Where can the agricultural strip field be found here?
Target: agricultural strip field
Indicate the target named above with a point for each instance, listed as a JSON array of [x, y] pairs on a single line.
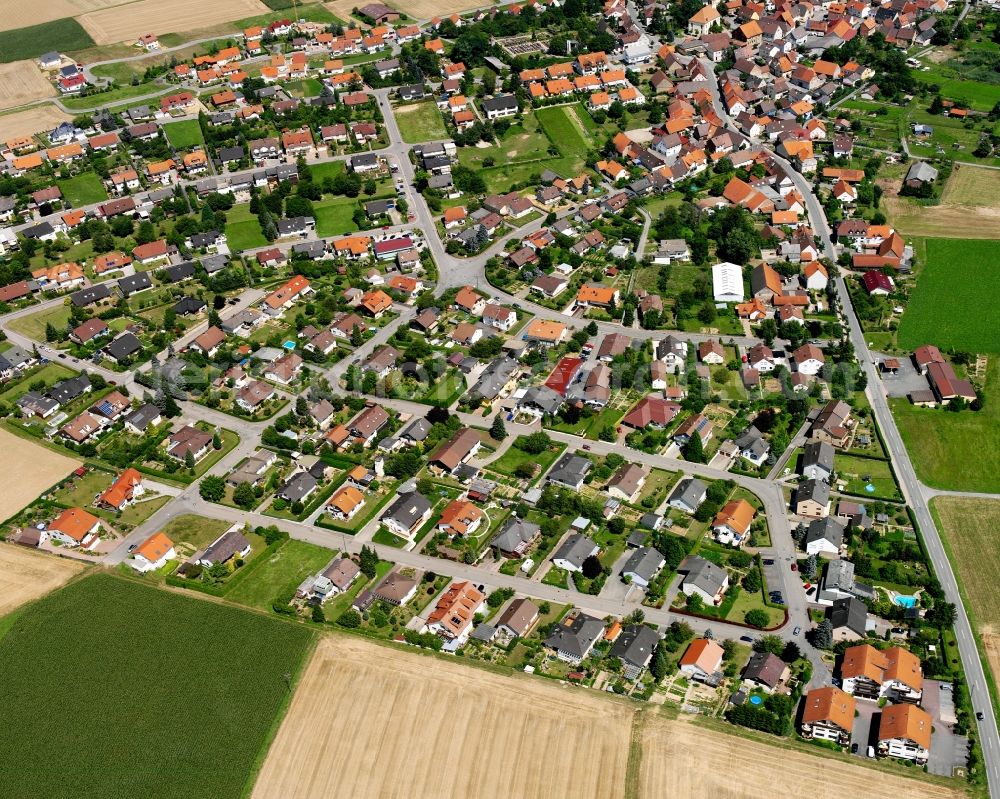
[[27, 575], [956, 451], [969, 208], [30, 42], [680, 758], [19, 14], [953, 304], [419, 122], [20, 83], [111, 25], [27, 470], [34, 120], [171, 696], [968, 528], [397, 712]]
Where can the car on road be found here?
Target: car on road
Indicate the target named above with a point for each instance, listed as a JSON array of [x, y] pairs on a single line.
[[871, 751], [132, 546], [979, 715], [854, 749], [768, 561], [796, 631], [587, 447], [795, 567], [746, 638]]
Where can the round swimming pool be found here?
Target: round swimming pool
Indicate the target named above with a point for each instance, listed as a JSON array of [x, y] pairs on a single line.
[[756, 700]]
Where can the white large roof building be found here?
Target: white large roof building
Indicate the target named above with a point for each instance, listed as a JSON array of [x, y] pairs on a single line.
[[727, 282]]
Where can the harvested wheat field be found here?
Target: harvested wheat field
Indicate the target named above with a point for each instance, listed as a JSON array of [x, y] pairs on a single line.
[[27, 470], [370, 721], [21, 82], [680, 759], [969, 207], [32, 121], [20, 14], [27, 575], [112, 25]]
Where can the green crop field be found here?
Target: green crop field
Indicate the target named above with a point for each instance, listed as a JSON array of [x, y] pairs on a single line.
[[420, 122], [956, 451], [183, 135], [60, 35], [82, 190], [115, 689], [953, 304]]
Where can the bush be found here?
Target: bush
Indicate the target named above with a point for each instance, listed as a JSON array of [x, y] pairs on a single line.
[[757, 618], [350, 619]]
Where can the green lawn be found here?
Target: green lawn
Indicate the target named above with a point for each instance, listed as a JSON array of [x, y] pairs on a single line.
[[183, 135], [33, 325], [563, 127], [309, 87], [330, 169], [386, 538], [334, 216], [420, 122], [513, 457], [80, 491], [243, 230], [853, 470], [83, 190], [59, 34], [956, 86], [197, 531], [957, 451], [48, 374], [174, 686], [953, 304], [282, 572]]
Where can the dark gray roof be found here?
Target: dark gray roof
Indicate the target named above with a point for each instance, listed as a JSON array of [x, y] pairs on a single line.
[[494, 378], [504, 102], [815, 490], [90, 294], [705, 575], [688, 493], [69, 389], [575, 549], [635, 645], [818, 453], [576, 639], [188, 305], [133, 283], [543, 398], [407, 508], [514, 533], [851, 613], [213, 263], [828, 529], [179, 272], [140, 418], [123, 346], [645, 562], [570, 469], [298, 487]]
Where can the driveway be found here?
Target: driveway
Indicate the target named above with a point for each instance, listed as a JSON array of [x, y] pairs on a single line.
[[906, 380], [865, 730], [947, 749], [614, 588]]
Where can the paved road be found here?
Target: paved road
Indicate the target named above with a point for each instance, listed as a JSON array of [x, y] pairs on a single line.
[[912, 489]]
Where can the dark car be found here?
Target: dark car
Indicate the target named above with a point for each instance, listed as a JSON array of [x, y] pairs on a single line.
[[854, 749], [979, 715], [746, 638]]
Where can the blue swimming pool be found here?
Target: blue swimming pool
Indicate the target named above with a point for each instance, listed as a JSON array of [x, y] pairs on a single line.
[[756, 700], [905, 601], [289, 345], [870, 488]]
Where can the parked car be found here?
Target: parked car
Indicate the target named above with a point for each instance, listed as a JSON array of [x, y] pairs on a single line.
[[854, 749], [796, 631], [795, 567]]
